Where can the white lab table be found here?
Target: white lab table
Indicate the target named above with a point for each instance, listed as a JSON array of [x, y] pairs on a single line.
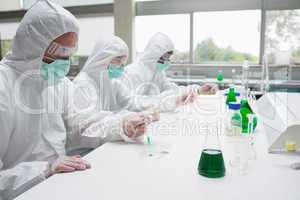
[[125, 171]]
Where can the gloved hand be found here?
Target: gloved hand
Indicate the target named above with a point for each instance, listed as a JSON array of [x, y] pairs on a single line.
[[186, 98], [208, 89], [152, 114], [68, 164], [134, 125]]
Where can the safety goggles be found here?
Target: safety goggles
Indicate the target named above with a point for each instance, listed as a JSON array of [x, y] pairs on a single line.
[[165, 57], [58, 50], [163, 60], [120, 59]]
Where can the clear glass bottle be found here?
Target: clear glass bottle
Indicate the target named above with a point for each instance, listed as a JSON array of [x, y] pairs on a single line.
[[234, 120], [245, 77], [233, 77]]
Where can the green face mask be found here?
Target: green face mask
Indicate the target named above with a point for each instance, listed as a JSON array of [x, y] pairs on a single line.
[[115, 71], [55, 71], [163, 66]]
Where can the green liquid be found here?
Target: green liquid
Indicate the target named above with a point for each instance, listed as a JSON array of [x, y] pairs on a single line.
[[245, 110], [211, 164], [231, 96]]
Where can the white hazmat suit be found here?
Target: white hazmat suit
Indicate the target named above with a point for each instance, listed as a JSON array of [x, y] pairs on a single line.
[[35, 118], [142, 74], [142, 77], [102, 92], [94, 80]]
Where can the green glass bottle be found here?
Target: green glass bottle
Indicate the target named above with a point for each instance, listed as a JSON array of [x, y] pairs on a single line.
[[245, 110], [231, 96]]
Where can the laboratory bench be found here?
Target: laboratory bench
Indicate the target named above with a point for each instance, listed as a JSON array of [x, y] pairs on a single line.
[[167, 169]]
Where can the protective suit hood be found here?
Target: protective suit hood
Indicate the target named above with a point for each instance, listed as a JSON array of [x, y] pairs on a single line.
[[105, 50], [44, 22], [93, 78], [158, 45], [142, 72]]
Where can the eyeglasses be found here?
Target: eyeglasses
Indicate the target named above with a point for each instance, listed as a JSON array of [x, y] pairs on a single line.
[[58, 50]]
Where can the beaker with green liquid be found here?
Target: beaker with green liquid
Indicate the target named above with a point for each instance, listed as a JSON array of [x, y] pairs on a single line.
[[211, 163]]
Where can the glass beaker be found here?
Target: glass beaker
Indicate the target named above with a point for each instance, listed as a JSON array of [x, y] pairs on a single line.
[[211, 164]]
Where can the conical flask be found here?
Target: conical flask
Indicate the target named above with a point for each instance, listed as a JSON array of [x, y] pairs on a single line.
[[211, 164]]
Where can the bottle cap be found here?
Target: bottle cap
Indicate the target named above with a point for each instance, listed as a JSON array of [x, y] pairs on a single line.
[[290, 146], [234, 105], [237, 94]]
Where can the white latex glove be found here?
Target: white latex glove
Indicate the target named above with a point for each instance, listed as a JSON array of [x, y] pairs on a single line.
[[134, 125], [186, 98], [68, 164], [152, 115], [208, 89]]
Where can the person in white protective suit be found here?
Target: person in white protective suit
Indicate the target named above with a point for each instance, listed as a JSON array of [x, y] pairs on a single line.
[[101, 78], [37, 111], [146, 76], [99, 82]]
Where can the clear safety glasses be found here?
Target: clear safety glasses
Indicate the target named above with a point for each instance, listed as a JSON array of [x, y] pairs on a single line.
[[56, 49]]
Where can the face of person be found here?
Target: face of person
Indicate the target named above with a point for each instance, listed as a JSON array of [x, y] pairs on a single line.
[[165, 57], [61, 48], [119, 61]]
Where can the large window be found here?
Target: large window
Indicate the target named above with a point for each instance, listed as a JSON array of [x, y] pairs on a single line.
[[175, 26], [283, 36], [7, 32], [227, 36]]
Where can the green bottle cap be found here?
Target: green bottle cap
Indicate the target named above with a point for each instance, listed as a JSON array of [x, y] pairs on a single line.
[[220, 76]]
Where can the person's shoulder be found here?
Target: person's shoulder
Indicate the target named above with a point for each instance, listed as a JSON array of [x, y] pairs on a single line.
[[6, 87], [6, 77], [82, 78]]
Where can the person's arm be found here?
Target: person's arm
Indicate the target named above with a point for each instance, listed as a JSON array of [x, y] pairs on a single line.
[[128, 100], [164, 83], [15, 181], [18, 179], [93, 127]]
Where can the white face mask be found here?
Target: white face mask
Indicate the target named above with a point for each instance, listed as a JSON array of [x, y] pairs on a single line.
[[56, 49]]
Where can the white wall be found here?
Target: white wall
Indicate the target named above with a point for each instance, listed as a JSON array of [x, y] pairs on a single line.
[[91, 29], [8, 30], [6, 5]]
